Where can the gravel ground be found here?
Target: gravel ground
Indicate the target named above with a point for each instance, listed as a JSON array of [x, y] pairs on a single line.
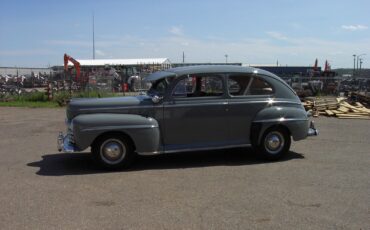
[[323, 183]]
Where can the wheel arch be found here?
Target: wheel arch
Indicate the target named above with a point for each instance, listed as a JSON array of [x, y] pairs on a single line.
[[293, 118], [115, 133], [258, 129]]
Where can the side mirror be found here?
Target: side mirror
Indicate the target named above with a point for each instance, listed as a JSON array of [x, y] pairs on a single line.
[[156, 99]]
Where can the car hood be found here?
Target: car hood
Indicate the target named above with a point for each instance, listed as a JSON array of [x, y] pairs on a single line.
[[106, 105]]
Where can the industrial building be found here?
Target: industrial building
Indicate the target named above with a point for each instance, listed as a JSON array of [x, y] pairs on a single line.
[[17, 71], [203, 63], [108, 73], [291, 71]]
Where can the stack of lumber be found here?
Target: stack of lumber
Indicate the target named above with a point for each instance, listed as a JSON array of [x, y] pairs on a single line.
[[347, 110], [338, 107], [319, 105]]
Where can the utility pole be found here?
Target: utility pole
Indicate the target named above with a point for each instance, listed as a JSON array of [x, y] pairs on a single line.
[[93, 24], [358, 57], [354, 65], [226, 57], [183, 57]]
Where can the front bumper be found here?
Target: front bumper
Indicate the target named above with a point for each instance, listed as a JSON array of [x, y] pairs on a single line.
[[312, 131], [64, 144]]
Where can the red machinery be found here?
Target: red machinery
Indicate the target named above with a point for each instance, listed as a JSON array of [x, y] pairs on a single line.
[[77, 65], [327, 66], [315, 66]]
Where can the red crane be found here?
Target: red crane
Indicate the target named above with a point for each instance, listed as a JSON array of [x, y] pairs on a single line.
[[77, 65], [315, 66], [327, 66]]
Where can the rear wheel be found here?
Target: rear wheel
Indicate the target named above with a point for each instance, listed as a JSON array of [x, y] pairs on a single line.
[[274, 144], [113, 151]]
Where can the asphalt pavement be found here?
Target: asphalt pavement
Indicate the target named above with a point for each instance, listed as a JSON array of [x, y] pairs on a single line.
[[323, 183]]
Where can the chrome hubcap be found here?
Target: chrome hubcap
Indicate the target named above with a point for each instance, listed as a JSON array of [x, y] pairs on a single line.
[[112, 151], [274, 142]]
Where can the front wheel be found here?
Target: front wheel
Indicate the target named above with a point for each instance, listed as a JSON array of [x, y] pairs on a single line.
[[274, 144], [113, 151]]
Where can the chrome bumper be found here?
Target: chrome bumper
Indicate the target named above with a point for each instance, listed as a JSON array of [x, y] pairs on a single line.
[[64, 144], [312, 131]]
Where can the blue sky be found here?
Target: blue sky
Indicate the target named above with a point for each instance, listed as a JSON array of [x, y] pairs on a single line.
[[38, 33]]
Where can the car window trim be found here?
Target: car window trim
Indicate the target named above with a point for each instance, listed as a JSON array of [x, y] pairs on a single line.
[[271, 85], [221, 76], [248, 88], [245, 93]]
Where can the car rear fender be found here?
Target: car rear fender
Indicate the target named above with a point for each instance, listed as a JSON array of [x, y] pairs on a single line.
[[294, 119]]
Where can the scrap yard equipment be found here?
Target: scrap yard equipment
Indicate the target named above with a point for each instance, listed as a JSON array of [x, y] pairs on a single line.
[[76, 64]]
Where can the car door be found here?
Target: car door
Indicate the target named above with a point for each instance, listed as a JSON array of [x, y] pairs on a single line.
[[248, 94], [195, 113]]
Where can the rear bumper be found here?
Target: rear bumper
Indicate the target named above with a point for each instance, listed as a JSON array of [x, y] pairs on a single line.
[[64, 144], [312, 131]]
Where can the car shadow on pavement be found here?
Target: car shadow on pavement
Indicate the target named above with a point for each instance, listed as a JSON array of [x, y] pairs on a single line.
[[61, 164]]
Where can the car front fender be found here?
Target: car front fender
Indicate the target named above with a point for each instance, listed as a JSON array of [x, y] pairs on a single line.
[[144, 131]]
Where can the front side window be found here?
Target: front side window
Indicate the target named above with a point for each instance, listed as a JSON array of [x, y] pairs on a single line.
[[199, 86], [159, 87]]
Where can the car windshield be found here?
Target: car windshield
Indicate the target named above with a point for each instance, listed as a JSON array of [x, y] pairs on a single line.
[[159, 87]]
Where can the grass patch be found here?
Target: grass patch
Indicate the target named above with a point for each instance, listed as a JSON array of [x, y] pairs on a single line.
[[30, 104], [40, 99], [93, 94]]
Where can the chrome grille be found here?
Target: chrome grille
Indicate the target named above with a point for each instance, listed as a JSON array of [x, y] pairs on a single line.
[[70, 135]]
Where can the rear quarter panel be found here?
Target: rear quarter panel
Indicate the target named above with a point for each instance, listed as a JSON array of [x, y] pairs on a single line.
[[288, 114]]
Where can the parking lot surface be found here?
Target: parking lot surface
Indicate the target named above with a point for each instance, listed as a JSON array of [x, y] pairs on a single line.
[[323, 183]]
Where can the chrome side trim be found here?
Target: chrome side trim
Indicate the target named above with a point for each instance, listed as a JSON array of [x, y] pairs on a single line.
[[193, 150], [120, 127], [282, 119], [233, 101], [118, 108], [194, 105]]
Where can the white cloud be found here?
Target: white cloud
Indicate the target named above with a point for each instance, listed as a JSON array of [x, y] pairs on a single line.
[[277, 35], [100, 53], [177, 31], [354, 27]]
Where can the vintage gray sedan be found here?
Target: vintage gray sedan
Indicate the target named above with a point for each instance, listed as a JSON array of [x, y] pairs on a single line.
[[190, 109]]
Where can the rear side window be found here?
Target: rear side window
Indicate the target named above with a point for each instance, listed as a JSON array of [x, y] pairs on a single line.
[[260, 87], [238, 84]]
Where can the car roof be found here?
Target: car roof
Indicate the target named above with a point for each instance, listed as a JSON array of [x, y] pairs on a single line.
[[179, 71]]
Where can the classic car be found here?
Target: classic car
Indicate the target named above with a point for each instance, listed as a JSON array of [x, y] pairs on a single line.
[[190, 109]]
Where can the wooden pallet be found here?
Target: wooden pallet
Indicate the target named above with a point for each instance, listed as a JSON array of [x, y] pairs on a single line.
[[337, 107]]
